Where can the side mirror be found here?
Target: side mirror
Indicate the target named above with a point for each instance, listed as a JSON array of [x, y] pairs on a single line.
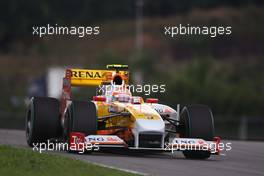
[[99, 98], [152, 100]]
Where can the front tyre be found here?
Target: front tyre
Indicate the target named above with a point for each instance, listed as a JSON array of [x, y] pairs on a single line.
[[197, 122], [81, 116]]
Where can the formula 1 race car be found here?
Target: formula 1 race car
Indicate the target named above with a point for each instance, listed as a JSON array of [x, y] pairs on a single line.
[[115, 118]]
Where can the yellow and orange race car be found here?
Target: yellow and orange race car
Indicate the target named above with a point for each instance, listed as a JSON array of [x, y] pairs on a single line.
[[116, 118]]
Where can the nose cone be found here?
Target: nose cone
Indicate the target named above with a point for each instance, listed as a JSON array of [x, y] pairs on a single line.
[[144, 125]]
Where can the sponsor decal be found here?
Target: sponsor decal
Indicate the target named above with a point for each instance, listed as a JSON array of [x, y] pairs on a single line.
[[94, 138], [184, 141], [87, 74], [159, 110]]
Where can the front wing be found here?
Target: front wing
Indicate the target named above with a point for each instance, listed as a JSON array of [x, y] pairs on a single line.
[[78, 141]]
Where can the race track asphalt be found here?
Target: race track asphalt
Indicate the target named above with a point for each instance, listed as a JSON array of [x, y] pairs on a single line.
[[245, 158]]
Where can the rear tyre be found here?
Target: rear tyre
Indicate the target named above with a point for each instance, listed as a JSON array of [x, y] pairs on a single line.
[[42, 121], [197, 122], [81, 116]]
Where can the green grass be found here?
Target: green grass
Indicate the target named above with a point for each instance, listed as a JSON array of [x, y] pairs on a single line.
[[14, 161]]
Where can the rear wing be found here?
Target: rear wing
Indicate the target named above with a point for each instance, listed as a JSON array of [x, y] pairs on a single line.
[[84, 77]]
